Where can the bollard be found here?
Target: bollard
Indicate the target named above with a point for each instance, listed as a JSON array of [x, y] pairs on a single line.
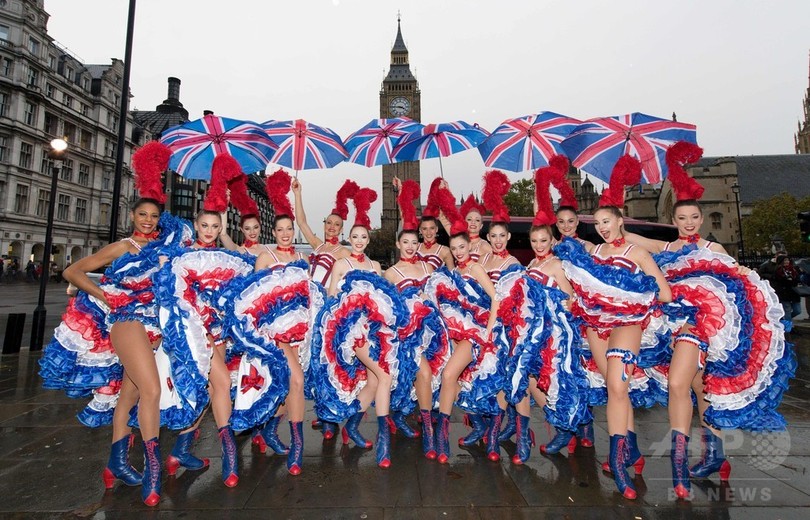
[[14, 333]]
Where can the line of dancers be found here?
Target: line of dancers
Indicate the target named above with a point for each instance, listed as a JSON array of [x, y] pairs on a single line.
[[179, 325]]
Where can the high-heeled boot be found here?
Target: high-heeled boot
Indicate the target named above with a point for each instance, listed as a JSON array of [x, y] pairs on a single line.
[[443, 438], [118, 466], [713, 459], [181, 454], [329, 429], [268, 436], [383, 442], [295, 454], [510, 427], [479, 428], [428, 437], [397, 421], [680, 464], [585, 435], [150, 486], [618, 465], [230, 465], [352, 430], [493, 446], [525, 440], [634, 457], [561, 440]]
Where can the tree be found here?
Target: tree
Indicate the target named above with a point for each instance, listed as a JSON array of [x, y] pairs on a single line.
[[520, 199], [777, 215]]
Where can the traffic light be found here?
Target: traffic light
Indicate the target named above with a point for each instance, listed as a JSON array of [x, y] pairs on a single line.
[[804, 225]]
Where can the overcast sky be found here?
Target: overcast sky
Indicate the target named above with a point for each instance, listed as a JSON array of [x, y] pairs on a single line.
[[736, 69]]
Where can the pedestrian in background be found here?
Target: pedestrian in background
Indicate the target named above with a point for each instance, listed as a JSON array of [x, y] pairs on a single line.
[[786, 279]]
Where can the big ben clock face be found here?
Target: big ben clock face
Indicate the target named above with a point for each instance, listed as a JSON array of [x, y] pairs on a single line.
[[400, 106]]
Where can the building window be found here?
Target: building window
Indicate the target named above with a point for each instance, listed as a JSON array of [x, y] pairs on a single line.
[[50, 91], [66, 173], [86, 139], [84, 174], [3, 32], [109, 148], [52, 61], [106, 180], [42, 203], [85, 83], [104, 214], [51, 124], [30, 114], [21, 200], [717, 220], [3, 104], [26, 155], [70, 132], [7, 67], [85, 110], [67, 100], [69, 73], [3, 149], [33, 77], [63, 207], [46, 164], [33, 46], [81, 211]]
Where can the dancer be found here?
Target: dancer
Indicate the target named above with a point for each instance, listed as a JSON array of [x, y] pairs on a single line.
[[355, 340], [424, 346], [472, 214], [249, 222], [615, 317], [435, 254]]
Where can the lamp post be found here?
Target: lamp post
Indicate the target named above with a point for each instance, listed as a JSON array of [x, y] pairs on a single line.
[[57, 151], [736, 189]]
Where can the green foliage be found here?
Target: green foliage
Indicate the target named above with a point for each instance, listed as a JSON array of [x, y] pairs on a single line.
[[520, 199], [776, 216]]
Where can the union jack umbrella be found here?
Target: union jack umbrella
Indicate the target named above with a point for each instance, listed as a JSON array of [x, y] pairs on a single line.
[[526, 143], [439, 140], [596, 144], [373, 145], [304, 146], [195, 144]]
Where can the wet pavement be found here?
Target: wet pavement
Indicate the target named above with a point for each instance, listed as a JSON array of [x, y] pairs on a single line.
[[50, 466]]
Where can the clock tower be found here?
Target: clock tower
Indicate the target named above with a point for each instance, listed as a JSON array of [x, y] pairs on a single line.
[[399, 97]]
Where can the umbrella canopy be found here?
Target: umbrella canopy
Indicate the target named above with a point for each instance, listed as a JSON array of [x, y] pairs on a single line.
[[373, 145], [304, 146], [526, 143], [439, 140], [195, 144], [596, 145]]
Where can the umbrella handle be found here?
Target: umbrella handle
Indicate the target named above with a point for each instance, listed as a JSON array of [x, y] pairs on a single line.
[[441, 170]]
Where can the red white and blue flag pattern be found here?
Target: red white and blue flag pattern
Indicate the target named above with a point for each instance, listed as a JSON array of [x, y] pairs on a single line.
[[305, 146]]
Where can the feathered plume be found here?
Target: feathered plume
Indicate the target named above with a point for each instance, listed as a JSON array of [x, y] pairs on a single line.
[[149, 164], [560, 181], [626, 172], [542, 195], [223, 170], [678, 155], [346, 192], [278, 186], [240, 199], [496, 186], [362, 203], [408, 194], [471, 205], [433, 199]]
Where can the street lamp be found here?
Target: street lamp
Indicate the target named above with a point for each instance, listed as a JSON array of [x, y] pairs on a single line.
[[56, 153], [736, 189]]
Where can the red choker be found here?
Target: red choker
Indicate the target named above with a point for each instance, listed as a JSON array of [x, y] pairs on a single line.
[[619, 242], [691, 239], [429, 245], [331, 240], [502, 254], [359, 257], [249, 243], [148, 236], [288, 250], [473, 238], [205, 246], [411, 260], [541, 258], [462, 264]]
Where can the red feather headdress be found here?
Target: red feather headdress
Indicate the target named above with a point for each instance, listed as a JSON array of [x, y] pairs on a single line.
[[678, 155], [626, 172], [471, 205], [434, 199], [362, 204], [223, 170], [496, 186], [240, 198], [346, 192], [149, 164], [408, 194], [560, 181], [278, 186]]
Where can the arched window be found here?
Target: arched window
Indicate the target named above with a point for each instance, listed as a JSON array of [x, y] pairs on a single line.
[[717, 220]]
